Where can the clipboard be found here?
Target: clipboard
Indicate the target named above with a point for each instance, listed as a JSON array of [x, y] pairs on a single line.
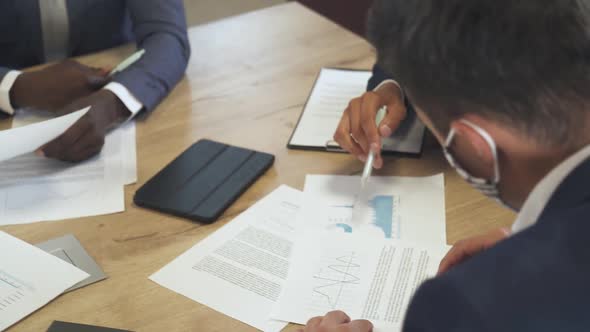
[[331, 93]]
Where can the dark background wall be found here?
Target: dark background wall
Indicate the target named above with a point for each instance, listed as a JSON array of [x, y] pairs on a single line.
[[351, 14]]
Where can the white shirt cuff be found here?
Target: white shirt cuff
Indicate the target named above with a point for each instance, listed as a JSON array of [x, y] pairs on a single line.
[[126, 97], [390, 81], [5, 87]]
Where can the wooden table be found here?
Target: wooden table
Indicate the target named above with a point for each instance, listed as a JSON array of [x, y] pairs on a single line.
[[247, 81]]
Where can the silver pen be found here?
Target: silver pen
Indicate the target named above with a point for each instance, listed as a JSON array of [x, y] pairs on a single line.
[[358, 202]]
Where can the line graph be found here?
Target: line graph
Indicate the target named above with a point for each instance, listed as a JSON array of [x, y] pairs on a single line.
[[336, 281]]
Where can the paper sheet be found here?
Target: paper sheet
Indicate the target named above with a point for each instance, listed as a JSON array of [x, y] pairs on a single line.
[[333, 91], [38, 189], [19, 141], [366, 278], [395, 207], [119, 151], [30, 278], [240, 269]]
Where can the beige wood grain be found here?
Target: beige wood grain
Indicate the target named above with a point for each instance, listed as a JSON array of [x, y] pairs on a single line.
[[246, 83]]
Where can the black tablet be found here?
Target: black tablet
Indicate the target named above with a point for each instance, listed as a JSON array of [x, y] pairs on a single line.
[[203, 181], [58, 326]]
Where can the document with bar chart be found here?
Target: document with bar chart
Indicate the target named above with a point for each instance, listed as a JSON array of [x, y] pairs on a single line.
[[30, 278], [402, 208]]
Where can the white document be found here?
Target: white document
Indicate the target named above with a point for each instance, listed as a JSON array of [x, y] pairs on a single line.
[[240, 269], [366, 278], [333, 90], [39, 189], [19, 141], [119, 151], [403, 208], [30, 278]]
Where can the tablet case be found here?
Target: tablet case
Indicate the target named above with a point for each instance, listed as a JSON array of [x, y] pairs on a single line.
[[203, 181], [58, 326]]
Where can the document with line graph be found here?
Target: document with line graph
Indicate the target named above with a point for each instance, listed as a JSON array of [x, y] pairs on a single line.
[[366, 278], [30, 278]]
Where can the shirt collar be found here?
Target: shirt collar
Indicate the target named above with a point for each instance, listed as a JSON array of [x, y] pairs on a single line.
[[539, 197]]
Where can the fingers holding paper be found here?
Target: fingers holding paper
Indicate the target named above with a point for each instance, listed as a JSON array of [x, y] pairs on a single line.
[[337, 321], [86, 137], [357, 131]]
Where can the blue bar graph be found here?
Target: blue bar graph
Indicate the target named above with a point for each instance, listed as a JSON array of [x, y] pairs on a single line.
[[382, 210], [383, 213]]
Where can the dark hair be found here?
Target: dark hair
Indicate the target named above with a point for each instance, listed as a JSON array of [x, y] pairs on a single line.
[[523, 63]]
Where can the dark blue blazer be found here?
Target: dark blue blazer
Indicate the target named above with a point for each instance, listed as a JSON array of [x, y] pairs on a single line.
[[537, 280], [158, 26], [379, 75]]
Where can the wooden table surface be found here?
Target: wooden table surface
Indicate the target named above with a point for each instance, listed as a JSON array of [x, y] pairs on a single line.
[[246, 84]]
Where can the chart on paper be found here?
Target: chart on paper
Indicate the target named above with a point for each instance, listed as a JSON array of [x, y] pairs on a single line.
[[366, 278], [392, 208], [30, 278], [12, 291], [383, 217], [335, 282]]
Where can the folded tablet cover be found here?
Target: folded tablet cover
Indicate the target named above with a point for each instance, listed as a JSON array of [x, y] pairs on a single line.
[[203, 181], [58, 326]]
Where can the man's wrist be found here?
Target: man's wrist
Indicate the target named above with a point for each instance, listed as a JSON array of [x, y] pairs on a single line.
[[119, 112], [132, 104], [390, 86], [22, 92], [389, 90]]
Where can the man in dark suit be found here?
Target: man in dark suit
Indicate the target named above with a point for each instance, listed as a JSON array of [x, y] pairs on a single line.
[[503, 87], [38, 31]]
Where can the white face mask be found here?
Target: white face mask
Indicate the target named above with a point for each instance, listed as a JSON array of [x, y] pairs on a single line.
[[487, 187]]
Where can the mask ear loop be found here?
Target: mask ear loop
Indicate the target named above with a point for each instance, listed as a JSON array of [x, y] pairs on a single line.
[[489, 140], [491, 144], [483, 185]]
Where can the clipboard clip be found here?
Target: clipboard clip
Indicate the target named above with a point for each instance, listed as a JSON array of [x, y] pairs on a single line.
[[332, 146]]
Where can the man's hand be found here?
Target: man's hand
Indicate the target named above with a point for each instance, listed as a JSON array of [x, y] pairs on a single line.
[[465, 249], [56, 86], [337, 321], [86, 137], [357, 132]]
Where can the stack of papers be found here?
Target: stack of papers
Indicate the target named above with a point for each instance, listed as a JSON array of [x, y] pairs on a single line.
[[295, 255], [35, 189], [30, 278]]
